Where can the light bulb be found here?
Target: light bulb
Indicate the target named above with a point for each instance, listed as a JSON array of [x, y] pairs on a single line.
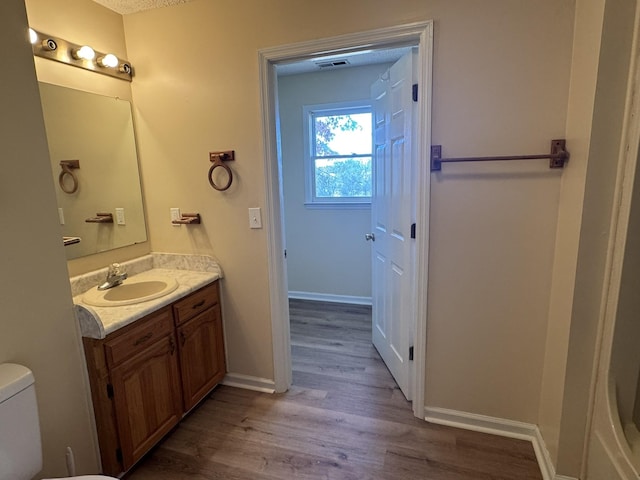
[[84, 53], [108, 60], [33, 36]]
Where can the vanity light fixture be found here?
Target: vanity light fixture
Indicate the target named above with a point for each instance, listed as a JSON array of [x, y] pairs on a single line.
[[82, 56], [48, 44]]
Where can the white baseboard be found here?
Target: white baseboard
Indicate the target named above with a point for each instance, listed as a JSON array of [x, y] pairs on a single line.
[[328, 297], [265, 385], [498, 426]]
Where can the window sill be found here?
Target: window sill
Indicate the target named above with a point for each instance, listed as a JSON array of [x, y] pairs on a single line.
[[338, 205]]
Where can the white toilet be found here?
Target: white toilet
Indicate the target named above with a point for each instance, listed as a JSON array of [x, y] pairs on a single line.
[[20, 447]]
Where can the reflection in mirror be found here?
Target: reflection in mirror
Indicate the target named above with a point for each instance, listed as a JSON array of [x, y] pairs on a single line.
[[95, 169]]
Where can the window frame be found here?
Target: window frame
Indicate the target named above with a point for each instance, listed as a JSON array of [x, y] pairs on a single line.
[[326, 109]]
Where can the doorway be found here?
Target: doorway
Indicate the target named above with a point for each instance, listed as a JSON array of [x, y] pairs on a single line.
[[419, 34]]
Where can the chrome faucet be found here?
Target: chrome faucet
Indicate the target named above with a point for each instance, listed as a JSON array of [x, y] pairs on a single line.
[[114, 277]]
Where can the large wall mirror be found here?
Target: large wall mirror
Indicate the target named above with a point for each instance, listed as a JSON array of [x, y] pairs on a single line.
[[98, 183]]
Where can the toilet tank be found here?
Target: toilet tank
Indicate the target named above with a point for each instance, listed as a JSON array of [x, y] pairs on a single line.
[[20, 447]]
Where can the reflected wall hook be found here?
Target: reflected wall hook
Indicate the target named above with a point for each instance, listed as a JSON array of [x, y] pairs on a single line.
[[101, 218], [70, 240], [67, 169], [218, 159]]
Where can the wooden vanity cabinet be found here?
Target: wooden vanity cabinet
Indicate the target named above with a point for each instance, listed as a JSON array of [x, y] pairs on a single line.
[[145, 376], [146, 395], [199, 327]]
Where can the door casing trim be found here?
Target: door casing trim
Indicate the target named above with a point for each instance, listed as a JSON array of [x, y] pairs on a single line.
[[420, 34]]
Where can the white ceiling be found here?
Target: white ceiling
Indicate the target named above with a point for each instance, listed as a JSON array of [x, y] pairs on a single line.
[[354, 59], [131, 6]]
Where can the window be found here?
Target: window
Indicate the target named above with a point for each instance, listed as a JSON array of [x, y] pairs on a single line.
[[338, 155]]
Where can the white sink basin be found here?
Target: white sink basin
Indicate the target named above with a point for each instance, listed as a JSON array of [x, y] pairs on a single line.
[[131, 291]]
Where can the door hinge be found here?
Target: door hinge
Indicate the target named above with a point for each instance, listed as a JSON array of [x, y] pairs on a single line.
[[413, 230], [119, 455], [411, 354], [109, 390], [414, 92]]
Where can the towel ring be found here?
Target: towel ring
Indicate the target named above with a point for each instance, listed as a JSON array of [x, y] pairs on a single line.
[[67, 169], [217, 160]]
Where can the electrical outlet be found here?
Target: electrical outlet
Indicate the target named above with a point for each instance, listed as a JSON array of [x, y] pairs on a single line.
[[175, 215], [255, 218], [120, 216]]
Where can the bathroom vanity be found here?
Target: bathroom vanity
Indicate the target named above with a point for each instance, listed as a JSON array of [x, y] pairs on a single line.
[[150, 363]]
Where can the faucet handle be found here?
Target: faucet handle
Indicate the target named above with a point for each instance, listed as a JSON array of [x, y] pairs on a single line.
[[114, 269]]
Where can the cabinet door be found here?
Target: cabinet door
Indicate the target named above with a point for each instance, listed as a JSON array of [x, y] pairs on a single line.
[[201, 355], [146, 393]]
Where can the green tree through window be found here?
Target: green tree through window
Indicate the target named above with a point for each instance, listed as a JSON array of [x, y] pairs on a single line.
[[341, 154]]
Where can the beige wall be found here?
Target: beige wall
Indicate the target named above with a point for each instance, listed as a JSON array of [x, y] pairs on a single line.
[[600, 64], [37, 322], [588, 30], [326, 249], [493, 227], [591, 274]]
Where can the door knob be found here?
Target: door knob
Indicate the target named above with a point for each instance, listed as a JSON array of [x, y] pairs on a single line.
[[370, 236]]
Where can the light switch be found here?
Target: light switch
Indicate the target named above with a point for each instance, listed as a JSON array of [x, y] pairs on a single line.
[[61, 216], [120, 216], [175, 215], [255, 218]]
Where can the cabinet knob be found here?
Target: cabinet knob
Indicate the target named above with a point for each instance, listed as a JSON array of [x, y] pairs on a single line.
[[199, 304], [143, 339]]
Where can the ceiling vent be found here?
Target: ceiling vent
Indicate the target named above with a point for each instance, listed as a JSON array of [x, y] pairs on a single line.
[[335, 63]]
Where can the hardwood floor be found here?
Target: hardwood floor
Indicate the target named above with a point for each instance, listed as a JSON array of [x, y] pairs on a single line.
[[344, 418]]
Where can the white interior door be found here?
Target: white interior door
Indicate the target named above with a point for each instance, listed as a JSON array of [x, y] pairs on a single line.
[[392, 207]]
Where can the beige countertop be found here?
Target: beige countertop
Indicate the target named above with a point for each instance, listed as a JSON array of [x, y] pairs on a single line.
[[190, 271]]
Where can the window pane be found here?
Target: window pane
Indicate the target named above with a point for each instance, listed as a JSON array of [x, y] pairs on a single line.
[[345, 177], [342, 134]]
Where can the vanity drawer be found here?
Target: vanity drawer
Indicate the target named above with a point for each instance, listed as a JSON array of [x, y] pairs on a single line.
[[138, 337], [195, 303]]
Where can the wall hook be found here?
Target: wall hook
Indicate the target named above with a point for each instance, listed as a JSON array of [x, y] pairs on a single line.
[[67, 169], [217, 158], [187, 219]]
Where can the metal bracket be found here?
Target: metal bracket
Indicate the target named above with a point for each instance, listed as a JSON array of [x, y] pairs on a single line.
[[436, 158], [225, 156], [101, 218], [188, 219], [70, 164], [559, 155]]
